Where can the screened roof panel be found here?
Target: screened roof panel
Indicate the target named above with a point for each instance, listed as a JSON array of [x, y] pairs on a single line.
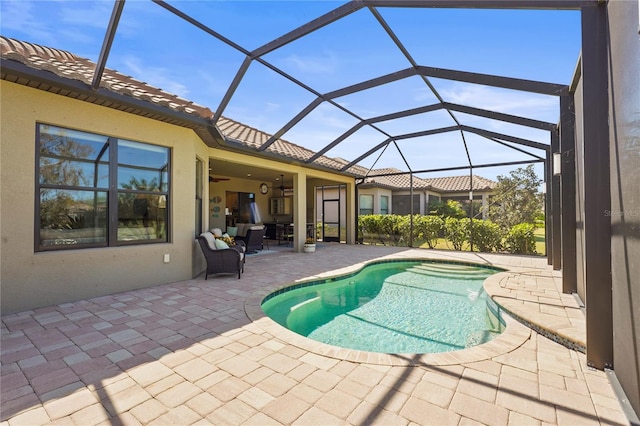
[[485, 151], [403, 94], [326, 60], [507, 128], [417, 123], [513, 42], [320, 127], [154, 45], [428, 152], [525, 104], [201, 76], [258, 100], [266, 21]]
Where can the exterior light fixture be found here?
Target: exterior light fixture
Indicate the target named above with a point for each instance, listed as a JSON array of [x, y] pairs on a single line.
[[557, 164]]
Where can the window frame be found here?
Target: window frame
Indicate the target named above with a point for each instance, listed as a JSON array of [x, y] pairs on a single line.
[[384, 210], [112, 192], [360, 208]]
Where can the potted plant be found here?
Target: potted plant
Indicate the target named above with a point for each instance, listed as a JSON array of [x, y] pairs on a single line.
[[309, 245]]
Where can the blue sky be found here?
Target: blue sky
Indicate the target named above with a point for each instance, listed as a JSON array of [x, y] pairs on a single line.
[[159, 48]]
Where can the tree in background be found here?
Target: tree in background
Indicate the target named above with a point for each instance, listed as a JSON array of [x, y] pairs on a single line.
[[449, 208], [517, 198]]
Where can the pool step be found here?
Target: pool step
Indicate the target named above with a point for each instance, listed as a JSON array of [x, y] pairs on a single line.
[[448, 270]]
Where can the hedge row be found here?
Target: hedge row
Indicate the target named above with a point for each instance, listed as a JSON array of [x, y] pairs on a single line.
[[486, 235]]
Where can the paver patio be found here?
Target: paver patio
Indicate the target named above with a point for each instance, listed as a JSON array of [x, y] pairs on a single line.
[[199, 352]]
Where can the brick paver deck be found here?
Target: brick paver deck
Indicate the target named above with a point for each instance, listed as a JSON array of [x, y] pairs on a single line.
[[199, 352]]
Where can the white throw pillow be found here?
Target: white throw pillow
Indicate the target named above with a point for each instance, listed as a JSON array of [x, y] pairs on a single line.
[[217, 232]]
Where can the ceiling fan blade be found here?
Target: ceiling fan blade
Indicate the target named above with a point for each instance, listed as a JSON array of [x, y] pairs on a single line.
[[217, 179]]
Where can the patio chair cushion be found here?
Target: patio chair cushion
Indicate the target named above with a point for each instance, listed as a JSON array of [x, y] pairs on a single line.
[[211, 241], [221, 245]]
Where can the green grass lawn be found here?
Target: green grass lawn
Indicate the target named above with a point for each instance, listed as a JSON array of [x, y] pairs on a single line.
[[540, 237]]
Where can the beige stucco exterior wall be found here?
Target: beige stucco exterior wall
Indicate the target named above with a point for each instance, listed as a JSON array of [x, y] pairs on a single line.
[[28, 279]]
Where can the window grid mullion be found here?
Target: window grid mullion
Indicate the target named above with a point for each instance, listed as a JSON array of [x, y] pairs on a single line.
[[112, 203]]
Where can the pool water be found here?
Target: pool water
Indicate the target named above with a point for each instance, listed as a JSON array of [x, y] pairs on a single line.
[[393, 307]]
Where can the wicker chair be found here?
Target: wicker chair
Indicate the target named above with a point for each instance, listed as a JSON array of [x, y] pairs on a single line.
[[254, 238], [221, 261]]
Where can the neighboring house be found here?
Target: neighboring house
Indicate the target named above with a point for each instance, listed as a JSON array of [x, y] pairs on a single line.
[[104, 190], [389, 192]]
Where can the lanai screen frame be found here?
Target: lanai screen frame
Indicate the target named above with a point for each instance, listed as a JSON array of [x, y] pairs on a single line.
[[561, 246]]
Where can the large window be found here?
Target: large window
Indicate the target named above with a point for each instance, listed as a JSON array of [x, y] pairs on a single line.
[[99, 191], [366, 204]]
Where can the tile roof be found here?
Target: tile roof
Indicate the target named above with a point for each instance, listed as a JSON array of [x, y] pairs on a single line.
[[397, 179], [461, 183], [69, 66]]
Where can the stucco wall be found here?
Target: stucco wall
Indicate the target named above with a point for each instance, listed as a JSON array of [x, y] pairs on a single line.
[[624, 113], [30, 280]]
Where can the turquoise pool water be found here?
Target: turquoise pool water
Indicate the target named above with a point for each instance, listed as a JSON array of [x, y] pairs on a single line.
[[393, 307]]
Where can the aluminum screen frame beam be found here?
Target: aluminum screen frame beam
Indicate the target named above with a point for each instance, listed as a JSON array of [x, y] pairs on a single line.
[[483, 4], [311, 26], [508, 138], [568, 194], [543, 88], [523, 121], [597, 199], [380, 118], [454, 168], [481, 132], [101, 63], [494, 115]]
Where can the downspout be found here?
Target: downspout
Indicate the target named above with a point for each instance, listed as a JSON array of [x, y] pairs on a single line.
[[471, 207], [359, 240]]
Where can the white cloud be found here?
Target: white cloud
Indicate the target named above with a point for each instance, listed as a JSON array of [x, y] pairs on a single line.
[[327, 115], [156, 76], [86, 14], [20, 16], [506, 101], [271, 107], [325, 63]]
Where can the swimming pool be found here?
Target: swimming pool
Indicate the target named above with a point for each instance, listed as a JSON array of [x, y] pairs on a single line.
[[393, 307]]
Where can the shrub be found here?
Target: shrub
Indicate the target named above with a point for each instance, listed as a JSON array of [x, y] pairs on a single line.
[[390, 226], [521, 239], [425, 229], [430, 229], [456, 231], [383, 227], [486, 235]]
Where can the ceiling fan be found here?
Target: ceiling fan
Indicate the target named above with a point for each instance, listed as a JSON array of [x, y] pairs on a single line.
[[282, 186], [217, 179]]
